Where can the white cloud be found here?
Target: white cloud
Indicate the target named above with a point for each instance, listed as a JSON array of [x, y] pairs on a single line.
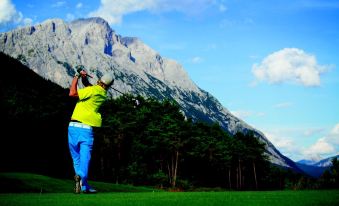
[[290, 65], [114, 10], [79, 5], [9, 15], [283, 105], [314, 4], [327, 145], [196, 60], [58, 4], [243, 114], [321, 147], [312, 131], [70, 17], [292, 142], [27, 21], [222, 8], [284, 144], [333, 137]]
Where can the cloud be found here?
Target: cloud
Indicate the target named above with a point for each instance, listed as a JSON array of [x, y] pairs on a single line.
[[327, 145], [243, 114], [196, 60], [285, 144], [312, 131], [240, 23], [79, 5], [9, 15], [114, 10], [324, 4], [70, 17], [222, 8], [321, 147], [290, 65], [283, 105], [59, 4], [291, 142], [333, 137]]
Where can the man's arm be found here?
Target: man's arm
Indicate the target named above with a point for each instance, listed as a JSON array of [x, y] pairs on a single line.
[[73, 90]]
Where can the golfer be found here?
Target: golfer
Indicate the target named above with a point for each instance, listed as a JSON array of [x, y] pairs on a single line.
[[80, 131]]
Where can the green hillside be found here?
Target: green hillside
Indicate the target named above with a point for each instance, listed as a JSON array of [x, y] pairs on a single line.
[[35, 113]]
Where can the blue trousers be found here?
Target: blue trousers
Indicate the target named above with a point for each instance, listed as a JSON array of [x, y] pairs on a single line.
[[80, 142]]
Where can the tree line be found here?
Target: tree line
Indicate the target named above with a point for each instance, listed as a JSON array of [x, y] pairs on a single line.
[[154, 144]]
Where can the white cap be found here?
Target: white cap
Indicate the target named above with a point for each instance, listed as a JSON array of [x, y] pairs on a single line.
[[107, 79]]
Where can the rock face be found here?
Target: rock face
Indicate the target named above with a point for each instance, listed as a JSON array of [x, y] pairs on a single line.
[[53, 48]]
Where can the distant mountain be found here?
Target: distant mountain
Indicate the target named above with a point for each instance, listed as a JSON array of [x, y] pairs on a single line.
[[310, 161], [306, 162], [312, 171], [327, 162], [315, 168], [53, 48]]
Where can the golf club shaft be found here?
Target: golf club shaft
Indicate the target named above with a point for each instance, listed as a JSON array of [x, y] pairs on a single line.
[[118, 91]]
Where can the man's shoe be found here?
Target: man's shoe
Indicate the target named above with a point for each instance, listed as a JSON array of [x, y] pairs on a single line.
[[77, 185], [89, 191]]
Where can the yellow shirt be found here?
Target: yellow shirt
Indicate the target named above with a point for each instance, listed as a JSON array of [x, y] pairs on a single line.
[[86, 109]]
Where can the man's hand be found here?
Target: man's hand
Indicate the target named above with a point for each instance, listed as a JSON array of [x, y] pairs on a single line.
[[81, 71]]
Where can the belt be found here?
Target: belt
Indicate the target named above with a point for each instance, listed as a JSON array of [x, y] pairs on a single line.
[[79, 124]]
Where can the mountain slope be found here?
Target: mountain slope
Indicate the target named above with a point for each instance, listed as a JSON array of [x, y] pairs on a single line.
[[53, 48]]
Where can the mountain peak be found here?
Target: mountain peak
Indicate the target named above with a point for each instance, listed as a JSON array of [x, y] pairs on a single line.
[[55, 20], [91, 21]]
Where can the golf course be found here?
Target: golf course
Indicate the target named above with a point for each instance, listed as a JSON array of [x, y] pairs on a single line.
[[31, 189]]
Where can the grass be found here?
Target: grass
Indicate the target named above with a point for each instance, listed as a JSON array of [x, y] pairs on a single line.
[[125, 195], [276, 198], [33, 183]]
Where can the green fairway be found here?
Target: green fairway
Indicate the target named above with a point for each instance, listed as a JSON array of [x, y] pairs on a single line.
[[276, 198], [35, 190]]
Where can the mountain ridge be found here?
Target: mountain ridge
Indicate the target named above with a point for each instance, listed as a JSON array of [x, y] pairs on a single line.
[[54, 47]]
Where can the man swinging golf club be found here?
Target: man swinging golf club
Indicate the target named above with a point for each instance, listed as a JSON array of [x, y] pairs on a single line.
[[84, 117]]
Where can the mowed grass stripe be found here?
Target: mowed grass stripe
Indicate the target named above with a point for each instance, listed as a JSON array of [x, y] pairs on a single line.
[[272, 198]]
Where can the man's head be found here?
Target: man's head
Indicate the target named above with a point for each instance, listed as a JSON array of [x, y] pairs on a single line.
[[107, 80]]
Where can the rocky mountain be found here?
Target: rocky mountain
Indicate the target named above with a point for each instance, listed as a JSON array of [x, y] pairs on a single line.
[[53, 48]]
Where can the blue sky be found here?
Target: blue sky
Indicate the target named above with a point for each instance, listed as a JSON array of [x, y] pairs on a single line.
[[273, 63]]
